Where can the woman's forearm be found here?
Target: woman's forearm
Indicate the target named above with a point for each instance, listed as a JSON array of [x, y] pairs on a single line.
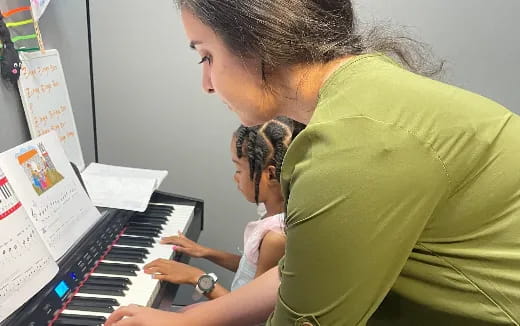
[[249, 304]]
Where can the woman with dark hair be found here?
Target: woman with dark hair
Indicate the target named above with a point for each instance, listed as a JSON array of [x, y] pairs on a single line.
[[402, 193]]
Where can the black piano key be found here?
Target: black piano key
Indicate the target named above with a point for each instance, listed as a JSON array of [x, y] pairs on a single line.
[[140, 223], [142, 251], [126, 251], [81, 307], [134, 238], [104, 290], [80, 320], [149, 221], [131, 267], [92, 304], [142, 233], [94, 285], [115, 283], [149, 216], [123, 280], [145, 227], [95, 301], [156, 217], [136, 242], [117, 269], [159, 208], [125, 258], [142, 229], [155, 213]]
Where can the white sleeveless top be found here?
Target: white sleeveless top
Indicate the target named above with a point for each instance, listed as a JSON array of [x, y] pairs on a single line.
[[253, 235]]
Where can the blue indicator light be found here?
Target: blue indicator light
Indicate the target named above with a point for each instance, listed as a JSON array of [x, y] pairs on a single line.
[[73, 276], [61, 289]]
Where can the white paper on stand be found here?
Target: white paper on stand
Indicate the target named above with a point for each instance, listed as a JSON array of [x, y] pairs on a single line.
[[121, 187]]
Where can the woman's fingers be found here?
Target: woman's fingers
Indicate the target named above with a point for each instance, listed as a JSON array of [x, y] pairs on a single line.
[[115, 319]]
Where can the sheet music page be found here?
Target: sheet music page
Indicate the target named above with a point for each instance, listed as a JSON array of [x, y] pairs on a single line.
[[50, 191], [121, 187], [26, 265], [118, 192], [124, 172]]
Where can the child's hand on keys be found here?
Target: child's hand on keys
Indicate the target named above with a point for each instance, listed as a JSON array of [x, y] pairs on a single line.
[[186, 246], [173, 271]]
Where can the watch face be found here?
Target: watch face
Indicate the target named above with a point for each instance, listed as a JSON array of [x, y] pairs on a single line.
[[206, 282]]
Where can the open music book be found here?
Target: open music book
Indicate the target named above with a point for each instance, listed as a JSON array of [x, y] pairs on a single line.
[[43, 211]]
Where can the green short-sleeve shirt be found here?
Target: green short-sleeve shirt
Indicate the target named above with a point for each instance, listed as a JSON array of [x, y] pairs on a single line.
[[403, 205]]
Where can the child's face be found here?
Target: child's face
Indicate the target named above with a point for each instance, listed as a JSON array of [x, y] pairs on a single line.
[[241, 175]]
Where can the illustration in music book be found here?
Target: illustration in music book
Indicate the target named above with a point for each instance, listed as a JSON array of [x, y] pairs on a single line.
[[50, 192], [26, 265], [38, 168]]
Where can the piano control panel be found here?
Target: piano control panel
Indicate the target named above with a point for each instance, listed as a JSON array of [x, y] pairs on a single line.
[[104, 269]]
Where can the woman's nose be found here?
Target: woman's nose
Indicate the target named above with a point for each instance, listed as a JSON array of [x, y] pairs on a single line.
[[207, 86]]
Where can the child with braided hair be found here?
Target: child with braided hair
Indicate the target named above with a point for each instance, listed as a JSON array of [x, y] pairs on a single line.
[[257, 153]]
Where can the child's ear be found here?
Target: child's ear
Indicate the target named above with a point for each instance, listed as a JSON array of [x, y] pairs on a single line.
[[271, 169]]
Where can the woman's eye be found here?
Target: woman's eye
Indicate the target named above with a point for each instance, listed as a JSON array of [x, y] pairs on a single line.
[[205, 58]]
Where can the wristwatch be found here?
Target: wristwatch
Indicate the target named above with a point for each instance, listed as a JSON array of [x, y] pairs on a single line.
[[205, 284]]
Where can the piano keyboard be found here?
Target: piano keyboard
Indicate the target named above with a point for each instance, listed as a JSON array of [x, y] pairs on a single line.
[[105, 270], [119, 279]]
